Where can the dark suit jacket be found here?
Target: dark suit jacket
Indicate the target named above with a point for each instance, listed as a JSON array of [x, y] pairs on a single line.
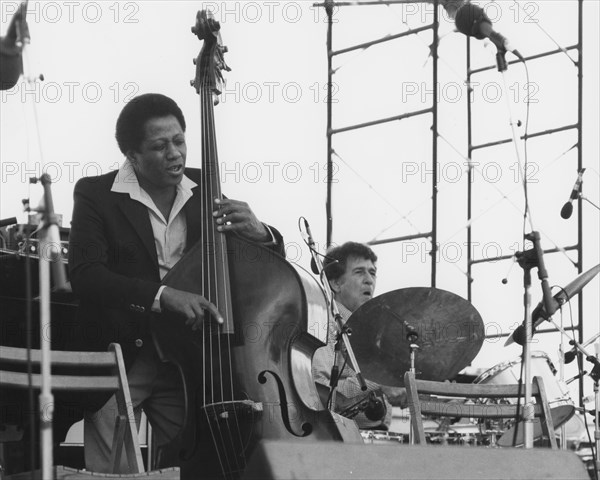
[[113, 263]]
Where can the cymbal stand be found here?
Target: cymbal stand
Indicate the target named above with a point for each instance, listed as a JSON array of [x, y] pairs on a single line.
[[412, 338], [595, 374], [343, 332], [561, 379]]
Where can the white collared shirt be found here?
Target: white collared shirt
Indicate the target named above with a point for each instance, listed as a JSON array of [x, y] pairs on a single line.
[[169, 234]]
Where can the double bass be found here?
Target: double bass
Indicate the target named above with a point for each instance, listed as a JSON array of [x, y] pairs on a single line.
[[250, 378]]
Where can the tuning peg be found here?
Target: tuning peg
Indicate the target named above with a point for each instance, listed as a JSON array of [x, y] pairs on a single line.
[[192, 83], [194, 60]]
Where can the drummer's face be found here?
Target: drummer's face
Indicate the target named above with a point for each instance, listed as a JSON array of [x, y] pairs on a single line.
[[357, 284]]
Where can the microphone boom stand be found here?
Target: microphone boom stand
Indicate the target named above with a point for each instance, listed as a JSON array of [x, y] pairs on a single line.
[[343, 331], [528, 260], [49, 253]]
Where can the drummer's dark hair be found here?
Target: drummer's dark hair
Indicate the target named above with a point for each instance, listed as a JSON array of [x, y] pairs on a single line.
[[133, 118], [336, 258]]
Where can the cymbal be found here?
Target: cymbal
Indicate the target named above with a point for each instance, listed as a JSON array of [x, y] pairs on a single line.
[[450, 333], [564, 295]]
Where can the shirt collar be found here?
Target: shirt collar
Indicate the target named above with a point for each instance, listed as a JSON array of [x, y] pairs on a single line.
[[126, 182], [344, 312]]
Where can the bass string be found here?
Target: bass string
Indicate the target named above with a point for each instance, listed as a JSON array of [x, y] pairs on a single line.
[[207, 225], [216, 290]]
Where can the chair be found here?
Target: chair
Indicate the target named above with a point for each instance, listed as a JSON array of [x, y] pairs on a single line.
[[82, 372], [439, 406]]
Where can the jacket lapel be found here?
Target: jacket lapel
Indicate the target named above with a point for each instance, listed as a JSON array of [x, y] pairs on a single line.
[[137, 215], [193, 214]]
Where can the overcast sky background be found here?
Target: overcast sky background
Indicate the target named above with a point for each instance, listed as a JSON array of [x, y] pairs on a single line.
[[271, 125]]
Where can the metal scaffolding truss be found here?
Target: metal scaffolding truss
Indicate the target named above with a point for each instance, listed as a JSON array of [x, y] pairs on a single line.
[[432, 110], [472, 120]]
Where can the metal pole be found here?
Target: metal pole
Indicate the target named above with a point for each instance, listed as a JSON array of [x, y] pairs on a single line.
[[328, 207], [46, 400], [579, 167], [434, 159]]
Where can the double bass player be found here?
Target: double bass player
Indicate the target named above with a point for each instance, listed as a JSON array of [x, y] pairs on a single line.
[[129, 228]]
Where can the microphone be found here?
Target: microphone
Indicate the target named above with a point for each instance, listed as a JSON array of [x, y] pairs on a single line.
[[375, 409], [472, 21], [571, 354], [311, 244], [567, 210], [11, 48]]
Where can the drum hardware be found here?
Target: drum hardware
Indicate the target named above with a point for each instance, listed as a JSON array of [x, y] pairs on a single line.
[[371, 404], [468, 434], [546, 309], [561, 405], [576, 432], [595, 376], [382, 437], [462, 435], [412, 338], [579, 375], [571, 354]]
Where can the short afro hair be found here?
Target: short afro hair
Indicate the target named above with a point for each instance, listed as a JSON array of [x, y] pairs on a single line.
[[337, 258], [133, 118]]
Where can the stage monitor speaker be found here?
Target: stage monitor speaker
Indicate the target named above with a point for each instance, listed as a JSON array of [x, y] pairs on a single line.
[[283, 460]]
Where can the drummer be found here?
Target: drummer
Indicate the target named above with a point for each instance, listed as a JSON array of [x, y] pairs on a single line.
[[352, 272]]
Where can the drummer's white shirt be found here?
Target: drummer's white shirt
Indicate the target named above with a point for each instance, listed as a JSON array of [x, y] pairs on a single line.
[[348, 386]]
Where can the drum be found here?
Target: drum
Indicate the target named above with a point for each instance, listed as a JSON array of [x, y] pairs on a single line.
[[575, 432], [383, 437], [561, 405], [467, 434]]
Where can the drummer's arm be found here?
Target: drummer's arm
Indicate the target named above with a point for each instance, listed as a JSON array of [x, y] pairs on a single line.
[[396, 396]]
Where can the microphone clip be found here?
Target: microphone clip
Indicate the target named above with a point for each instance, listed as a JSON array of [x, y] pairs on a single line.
[[527, 259]]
